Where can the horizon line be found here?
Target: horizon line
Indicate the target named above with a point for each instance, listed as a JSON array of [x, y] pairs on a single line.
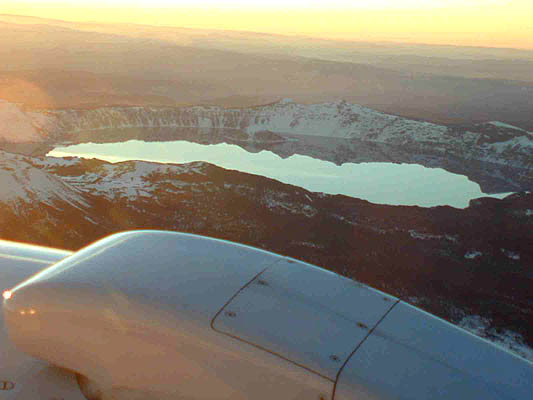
[[287, 35]]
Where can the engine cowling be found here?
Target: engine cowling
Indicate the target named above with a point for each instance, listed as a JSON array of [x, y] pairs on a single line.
[[163, 315]]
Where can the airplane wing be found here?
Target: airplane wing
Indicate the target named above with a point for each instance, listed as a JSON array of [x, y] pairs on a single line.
[[173, 316], [23, 377]]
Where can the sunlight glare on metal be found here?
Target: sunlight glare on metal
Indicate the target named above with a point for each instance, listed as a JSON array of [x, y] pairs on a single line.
[[7, 294]]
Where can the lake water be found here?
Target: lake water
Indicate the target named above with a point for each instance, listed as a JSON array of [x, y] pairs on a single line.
[[381, 183]]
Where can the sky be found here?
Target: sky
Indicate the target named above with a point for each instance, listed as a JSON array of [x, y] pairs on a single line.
[[491, 23]]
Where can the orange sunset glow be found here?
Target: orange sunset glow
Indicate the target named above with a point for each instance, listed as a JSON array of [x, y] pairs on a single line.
[[489, 23]]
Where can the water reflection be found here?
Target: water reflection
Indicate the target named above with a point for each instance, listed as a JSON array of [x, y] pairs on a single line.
[[382, 183]]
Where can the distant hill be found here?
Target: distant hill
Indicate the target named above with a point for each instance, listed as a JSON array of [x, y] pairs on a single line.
[[48, 63]]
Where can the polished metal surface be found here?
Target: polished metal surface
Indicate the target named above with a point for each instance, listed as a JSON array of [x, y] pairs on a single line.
[[172, 316], [23, 377], [133, 314], [414, 355], [307, 315]]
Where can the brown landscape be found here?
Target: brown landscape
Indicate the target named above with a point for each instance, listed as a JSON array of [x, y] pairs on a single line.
[[57, 64]]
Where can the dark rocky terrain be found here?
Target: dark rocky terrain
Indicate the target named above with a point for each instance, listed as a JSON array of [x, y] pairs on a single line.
[[465, 265]]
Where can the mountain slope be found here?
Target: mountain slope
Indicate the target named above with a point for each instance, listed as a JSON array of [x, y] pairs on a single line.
[[22, 183], [40, 207], [17, 126]]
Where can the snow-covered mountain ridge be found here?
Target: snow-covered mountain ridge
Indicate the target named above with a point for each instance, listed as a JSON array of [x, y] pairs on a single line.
[[127, 181], [491, 142], [21, 182]]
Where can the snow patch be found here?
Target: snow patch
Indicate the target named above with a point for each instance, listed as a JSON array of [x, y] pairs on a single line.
[[426, 236], [20, 181], [134, 179], [50, 161], [504, 125], [286, 100], [510, 340], [308, 244], [511, 254], [273, 200], [473, 254], [92, 221]]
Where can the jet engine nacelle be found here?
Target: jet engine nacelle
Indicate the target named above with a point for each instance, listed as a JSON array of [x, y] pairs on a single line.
[[160, 315]]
